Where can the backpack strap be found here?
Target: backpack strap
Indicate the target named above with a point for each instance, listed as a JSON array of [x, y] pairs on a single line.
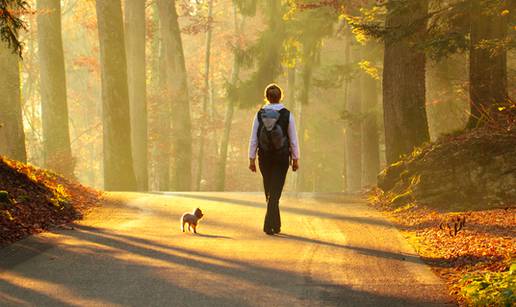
[[260, 122], [284, 120]]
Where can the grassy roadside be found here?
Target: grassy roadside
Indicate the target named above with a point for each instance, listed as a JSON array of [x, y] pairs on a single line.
[[477, 263]]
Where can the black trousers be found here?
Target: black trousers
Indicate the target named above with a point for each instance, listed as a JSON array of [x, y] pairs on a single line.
[[274, 171]]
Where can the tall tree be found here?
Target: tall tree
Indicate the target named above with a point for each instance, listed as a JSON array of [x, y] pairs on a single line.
[[206, 95], [304, 99], [404, 79], [303, 43], [54, 107], [220, 176], [118, 161], [178, 86], [291, 96], [136, 75], [487, 66], [370, 137], [12, 137], [353, 136], [163, 108]]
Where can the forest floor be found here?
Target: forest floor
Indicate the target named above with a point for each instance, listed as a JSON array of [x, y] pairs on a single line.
[[455, 201], [478, 261], [484, 249], [33, 200]]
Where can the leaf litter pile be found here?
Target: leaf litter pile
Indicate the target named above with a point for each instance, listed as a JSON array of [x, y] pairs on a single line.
[[455, 201], [33, 200], [484, 245]]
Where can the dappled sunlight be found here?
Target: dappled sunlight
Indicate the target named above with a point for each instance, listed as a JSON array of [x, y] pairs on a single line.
[[257, 152], [314, 261], [296, 206]]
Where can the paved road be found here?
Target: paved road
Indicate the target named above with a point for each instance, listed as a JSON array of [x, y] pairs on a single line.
[[335, 251]]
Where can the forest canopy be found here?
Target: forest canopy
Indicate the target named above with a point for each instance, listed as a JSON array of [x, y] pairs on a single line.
[[160, 94]]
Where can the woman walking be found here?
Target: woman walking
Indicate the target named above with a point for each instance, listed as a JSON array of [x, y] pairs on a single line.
[[274, 138]]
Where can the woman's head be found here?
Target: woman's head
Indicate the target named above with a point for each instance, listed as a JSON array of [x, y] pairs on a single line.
[[273, 93]]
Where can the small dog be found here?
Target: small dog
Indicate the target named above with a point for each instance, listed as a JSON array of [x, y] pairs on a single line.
[[191, 219]]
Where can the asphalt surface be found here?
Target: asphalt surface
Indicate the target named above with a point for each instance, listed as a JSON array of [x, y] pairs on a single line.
[[334, 251]]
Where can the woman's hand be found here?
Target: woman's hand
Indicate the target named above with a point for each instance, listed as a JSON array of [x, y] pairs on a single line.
[[252, 165], [295, 165]]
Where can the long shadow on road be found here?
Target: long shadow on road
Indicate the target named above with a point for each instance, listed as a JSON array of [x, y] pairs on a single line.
[[286, 282], [294, 210], [360, 250]]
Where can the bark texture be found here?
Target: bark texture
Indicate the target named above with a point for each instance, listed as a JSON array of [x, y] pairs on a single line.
[[118, 161], [160, 115], [178, 87], [404, 82], [487, 68], [57, 152], [164, 140], [12, 137], [136, 75]]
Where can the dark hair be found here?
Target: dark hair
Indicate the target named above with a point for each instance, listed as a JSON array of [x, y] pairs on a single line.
[[273, 93]]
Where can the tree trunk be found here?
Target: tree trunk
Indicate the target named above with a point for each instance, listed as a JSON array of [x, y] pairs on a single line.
[[181, 117], [160, 119], [353, 130], [405, 118], [220, 177], [206, 96], [54, 109], [304, 97], [136, 75], [370, 137], [164, 140], [487, 69], [12, 144], [291, 96], [347, 81], [118, 161], [177, 84]]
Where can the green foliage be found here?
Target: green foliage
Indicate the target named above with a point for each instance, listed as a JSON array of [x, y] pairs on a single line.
[[334, 76], [287, 42], [60, 198], [448, 25], [11, 22], [490, 289], [265, 55], [4, 197], [246, 7], [5, 205]]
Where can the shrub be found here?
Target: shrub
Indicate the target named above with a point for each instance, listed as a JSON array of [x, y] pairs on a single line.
[[490, 289]]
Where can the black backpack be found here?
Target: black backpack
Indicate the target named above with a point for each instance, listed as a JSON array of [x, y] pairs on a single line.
[[273, 131]]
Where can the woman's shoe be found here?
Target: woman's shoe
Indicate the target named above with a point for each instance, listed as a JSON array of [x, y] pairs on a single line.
[[276, 231], [270, 232]]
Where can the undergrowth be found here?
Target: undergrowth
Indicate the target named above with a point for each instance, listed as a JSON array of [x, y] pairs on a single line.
[[490, 288]]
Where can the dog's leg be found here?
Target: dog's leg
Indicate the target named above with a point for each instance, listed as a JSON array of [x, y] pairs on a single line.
[[195, 228], [189, 227], [183, 226]]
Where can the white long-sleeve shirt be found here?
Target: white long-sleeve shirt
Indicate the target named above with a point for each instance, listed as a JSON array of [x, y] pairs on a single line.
[[292, 133]]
